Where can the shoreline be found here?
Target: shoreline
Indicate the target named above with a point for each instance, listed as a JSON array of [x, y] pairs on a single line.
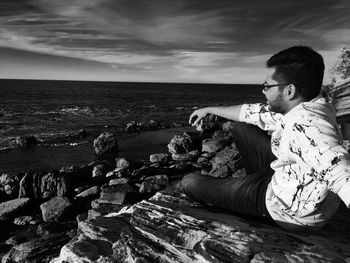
[[131, 146]]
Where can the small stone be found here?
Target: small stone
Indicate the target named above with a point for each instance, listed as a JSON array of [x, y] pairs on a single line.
[[213, 145], [122, 163], [118, 181], [89, 192], [22, 220], [154, 183], [159, 158]]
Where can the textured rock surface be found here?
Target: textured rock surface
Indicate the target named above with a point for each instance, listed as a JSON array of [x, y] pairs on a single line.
[[10, 208], [226, 162], [106, 144], [172, 228], [55, 209], [37, 250]]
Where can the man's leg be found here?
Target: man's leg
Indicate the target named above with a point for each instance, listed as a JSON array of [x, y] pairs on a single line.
[[254, 146], [244, 194]]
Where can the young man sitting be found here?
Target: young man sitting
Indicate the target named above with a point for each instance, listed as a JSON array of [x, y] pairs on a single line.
[[297, 168]]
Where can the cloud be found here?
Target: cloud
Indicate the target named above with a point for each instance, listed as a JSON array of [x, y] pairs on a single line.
[[183, 36]]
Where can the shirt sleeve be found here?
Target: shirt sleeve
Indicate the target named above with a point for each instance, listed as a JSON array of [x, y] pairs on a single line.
[[318, 146], [259, 115]]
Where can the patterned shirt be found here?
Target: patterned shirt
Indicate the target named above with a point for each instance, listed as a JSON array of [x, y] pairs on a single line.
[[312, 169]]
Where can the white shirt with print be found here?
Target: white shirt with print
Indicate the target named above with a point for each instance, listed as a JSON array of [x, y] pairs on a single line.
[[312, 169]]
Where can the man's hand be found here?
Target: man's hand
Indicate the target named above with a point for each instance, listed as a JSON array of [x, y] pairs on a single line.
[[196, 118]]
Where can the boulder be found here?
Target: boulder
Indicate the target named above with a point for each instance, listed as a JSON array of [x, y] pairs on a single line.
[[56, 209], [171, 228], [106, 144], [159, 158], [181, 143], [154, 183], [24, 141], [9, 209], [40, 249], [9, 185]]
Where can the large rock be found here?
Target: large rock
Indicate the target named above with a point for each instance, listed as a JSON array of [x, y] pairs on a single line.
[[56, 209], [44, 185], [172, 228], [9, 209], [9, 185], [106, 144], [181, 143], [116, 194], [226, 162], [40, 249]]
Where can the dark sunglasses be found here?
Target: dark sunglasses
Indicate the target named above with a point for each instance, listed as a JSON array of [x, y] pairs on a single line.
[[266, 86]]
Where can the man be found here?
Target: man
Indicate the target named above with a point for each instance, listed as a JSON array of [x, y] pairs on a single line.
[[297, 169]]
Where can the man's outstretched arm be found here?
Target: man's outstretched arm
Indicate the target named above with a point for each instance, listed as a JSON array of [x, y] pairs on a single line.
[[229, 112]]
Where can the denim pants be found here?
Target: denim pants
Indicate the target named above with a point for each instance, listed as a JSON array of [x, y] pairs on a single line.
[[245, 194]]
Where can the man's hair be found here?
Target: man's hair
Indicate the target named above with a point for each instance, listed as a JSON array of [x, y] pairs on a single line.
[[301, 66]]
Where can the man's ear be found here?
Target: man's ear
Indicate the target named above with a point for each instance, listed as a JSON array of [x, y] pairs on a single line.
[[291, 92]]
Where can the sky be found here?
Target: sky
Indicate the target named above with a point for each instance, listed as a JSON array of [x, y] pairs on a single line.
[[195, 41]]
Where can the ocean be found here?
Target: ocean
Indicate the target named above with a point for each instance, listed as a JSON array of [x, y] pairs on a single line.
[[52, 111]]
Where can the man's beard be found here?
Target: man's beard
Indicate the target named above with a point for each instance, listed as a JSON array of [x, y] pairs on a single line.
[[277, 105]]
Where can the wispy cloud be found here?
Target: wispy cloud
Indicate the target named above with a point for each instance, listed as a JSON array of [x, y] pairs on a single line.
[[183, 37]]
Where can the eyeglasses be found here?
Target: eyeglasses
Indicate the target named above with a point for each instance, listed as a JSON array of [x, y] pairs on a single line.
[[266, 86]]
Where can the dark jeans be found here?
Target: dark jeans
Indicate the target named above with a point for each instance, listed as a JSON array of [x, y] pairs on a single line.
[[244, 194]]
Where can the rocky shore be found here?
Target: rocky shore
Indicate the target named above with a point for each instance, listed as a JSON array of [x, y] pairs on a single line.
[[116, 209]]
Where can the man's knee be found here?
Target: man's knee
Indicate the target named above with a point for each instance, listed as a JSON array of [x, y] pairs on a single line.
[[190, 183]]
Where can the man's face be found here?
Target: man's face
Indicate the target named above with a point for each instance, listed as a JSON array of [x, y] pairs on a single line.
[[274, 95]]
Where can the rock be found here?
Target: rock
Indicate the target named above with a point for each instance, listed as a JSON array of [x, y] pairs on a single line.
[[40, 249], [133, 127], [89, 192], [228, 126], [181, 143], [122, 163], [118, 181], [226, 162], [190, 156], [22, 220], [78, 176], [106, 144], [151, 125], [159, 158], [211, 145], [154, 183], [9, 209], [23, 141], [101, 170], [171, 228], [79, 134], [56, 209], [116, 194], [26, 186], [9, 185], [82, 217]]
